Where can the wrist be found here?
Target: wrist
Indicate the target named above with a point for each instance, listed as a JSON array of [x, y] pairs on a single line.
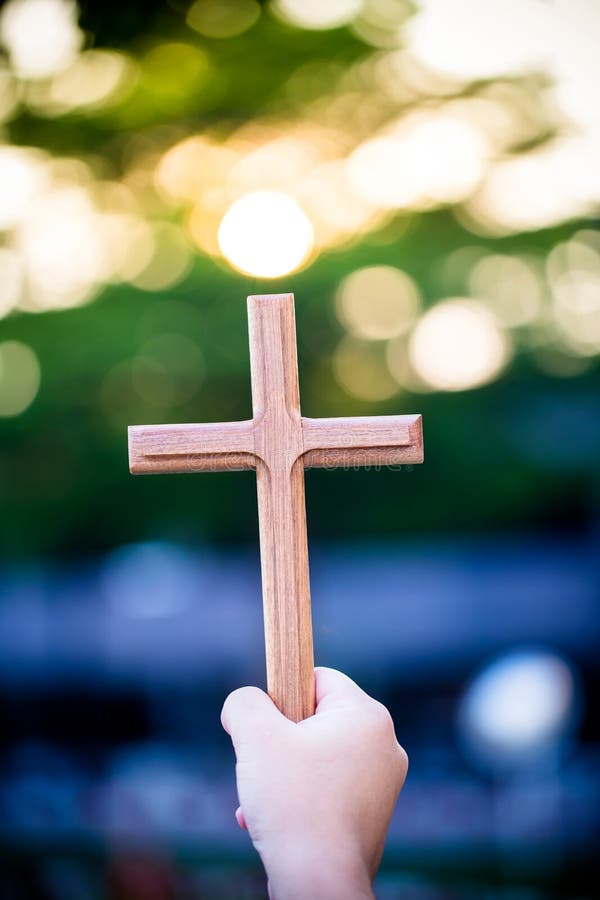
[[325, 873]]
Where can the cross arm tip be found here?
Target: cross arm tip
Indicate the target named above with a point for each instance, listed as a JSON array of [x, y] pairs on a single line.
[[416, 434], [133, 449]]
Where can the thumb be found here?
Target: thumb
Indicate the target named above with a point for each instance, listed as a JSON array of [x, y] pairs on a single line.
[[334, 690], [250, 715]]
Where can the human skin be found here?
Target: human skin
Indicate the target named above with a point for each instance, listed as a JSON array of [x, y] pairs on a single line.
[[316, 796]]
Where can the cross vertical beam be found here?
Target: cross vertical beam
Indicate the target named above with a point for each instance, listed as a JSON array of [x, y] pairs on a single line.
[[279, 444], [281, 505]]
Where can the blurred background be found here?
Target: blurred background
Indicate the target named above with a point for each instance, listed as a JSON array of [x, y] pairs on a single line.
[[425, 176]]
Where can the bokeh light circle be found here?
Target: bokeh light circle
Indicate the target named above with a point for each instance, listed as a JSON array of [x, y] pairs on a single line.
[[42, 36], [11, 280], [519, 706], [361, 370], [377, 302], [510, 287], [19, 377], [266, 234], [316, 14], [458, 345], [222, 18], [576, 310]]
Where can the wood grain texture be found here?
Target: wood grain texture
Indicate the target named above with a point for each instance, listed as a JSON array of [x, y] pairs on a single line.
[[279, 443], [281, 506], [191, 448], [362, 441]]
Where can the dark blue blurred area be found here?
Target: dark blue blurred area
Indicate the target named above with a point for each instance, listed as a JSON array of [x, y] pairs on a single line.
[[112, 675]]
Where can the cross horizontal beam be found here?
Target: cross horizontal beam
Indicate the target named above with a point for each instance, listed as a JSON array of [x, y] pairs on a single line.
[[214, 447], [234, 446]]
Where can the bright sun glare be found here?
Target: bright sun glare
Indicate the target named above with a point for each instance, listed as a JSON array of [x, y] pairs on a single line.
[[266, 233]]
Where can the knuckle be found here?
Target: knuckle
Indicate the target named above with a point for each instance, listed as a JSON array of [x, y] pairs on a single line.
[[402, 758], [381, 723], [402, 769], [384, 717]]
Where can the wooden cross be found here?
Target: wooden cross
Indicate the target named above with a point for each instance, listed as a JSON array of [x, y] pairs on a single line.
[[279, 443]]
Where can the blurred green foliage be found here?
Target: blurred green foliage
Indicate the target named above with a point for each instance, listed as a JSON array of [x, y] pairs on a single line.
[[64, 480]]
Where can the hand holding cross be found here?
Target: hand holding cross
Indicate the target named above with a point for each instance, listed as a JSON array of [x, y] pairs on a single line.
[[279, 443]]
